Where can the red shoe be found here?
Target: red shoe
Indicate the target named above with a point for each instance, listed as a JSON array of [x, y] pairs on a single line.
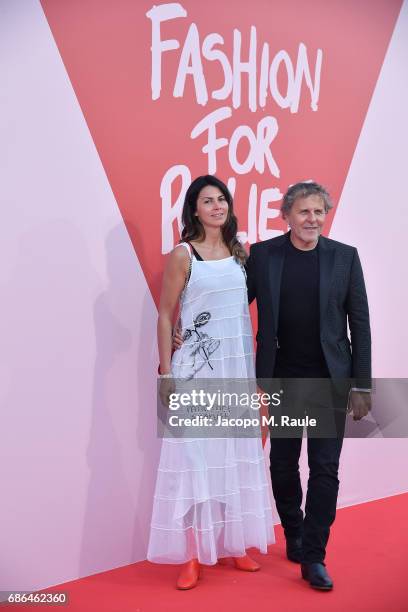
[[246, 564], [189, 575]]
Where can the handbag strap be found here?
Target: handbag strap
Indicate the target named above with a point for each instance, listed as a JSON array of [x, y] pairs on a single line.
[[190, 264]]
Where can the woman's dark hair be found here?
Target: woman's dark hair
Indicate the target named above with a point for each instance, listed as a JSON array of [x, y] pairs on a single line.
[[192, 226]]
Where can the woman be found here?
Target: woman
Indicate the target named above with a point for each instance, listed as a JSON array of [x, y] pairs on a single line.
[[212, 499]]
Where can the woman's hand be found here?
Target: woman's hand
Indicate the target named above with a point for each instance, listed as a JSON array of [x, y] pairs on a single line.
[[166, 388], [177, 339]]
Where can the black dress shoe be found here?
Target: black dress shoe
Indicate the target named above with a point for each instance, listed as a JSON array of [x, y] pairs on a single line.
[[317, 576], [294, 549]]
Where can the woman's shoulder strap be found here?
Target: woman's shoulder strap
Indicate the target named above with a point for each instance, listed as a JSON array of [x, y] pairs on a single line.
[[196, 254], [187, 246], [190, 254], [191, 250]]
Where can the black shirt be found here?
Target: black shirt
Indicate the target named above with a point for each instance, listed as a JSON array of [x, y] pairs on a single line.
[[300, 353]]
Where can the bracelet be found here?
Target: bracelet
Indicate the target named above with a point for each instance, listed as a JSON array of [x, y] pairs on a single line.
[[169, 375]]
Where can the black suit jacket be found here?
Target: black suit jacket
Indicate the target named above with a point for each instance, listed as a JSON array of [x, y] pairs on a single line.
[[343, 299]]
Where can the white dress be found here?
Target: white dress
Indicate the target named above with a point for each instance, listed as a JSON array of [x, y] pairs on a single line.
[[212, 496]]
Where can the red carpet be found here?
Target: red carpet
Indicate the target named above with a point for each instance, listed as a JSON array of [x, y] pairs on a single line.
[[367, 559]]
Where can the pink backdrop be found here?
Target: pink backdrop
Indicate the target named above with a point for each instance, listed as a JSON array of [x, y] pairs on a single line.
[[82, 245]]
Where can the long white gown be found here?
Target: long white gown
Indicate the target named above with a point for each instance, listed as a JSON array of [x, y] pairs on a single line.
[[212, 496]]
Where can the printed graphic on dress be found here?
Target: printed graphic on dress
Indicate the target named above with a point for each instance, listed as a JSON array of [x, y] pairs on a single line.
[[203, 345]]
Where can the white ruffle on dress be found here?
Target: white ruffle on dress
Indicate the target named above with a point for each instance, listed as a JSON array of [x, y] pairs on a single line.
[[212, 497]]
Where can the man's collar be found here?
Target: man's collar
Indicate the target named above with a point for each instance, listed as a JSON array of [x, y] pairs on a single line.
[[280, 240]]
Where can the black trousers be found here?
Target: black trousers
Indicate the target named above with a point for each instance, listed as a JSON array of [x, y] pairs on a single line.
[[323, 459], [322, 489]]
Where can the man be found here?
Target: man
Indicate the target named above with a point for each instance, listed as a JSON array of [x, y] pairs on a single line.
[[307, 288]]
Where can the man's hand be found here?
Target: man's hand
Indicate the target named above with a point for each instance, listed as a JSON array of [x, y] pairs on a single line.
[[359, 404], [177, 339]]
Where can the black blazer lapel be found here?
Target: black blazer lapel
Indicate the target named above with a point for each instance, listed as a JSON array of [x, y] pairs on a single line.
[[326, 263], [276, 258]]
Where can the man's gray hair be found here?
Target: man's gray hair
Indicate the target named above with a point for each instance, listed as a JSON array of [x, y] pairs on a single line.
[[304, 190]]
